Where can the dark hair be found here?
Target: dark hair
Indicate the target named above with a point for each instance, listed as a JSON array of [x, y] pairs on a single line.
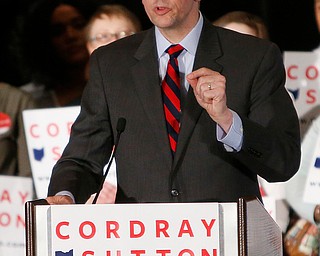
[[32, 40]]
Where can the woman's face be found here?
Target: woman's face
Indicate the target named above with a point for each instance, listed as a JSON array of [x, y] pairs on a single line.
[[67, 32]]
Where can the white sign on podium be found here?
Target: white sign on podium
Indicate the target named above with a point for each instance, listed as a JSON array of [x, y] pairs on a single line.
[[165, 229], [149, 229]]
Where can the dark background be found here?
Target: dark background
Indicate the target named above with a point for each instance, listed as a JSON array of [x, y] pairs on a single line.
[[291, 24]]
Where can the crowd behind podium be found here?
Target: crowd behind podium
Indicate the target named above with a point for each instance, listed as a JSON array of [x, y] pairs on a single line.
[[53, 45]]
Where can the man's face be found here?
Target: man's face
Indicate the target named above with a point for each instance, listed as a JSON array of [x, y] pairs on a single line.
[[172, 14], [107, 29], [317, 12]]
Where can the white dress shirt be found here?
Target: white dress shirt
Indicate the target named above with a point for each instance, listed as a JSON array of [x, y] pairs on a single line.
[[233, 139]]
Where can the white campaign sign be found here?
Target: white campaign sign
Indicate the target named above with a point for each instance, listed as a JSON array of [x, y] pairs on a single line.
[[47, 133], [312, 187], [270, 205], [303, 81], [149, 229], [14, 192]]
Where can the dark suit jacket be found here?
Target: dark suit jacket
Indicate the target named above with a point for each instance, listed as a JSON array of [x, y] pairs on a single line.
[[124, 82]]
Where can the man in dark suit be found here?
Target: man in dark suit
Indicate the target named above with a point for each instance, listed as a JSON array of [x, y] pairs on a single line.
[[237, 120]]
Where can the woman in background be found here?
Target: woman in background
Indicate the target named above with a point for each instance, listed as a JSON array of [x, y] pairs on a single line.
[[53, 51]]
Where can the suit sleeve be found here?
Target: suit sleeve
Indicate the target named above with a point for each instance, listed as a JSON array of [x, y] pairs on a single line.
[[90, 143], [271, 138]]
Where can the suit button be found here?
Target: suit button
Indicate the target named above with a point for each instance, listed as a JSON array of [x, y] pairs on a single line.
[[174, 192]]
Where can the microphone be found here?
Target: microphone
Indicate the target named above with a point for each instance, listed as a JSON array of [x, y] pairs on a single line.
[[121, 125]]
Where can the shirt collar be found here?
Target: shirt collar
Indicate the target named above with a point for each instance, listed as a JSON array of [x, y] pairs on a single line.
[[190, 42]]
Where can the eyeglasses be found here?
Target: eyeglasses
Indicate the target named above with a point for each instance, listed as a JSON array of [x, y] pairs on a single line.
[[106, 37]]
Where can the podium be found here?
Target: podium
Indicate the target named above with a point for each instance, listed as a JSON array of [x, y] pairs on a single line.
[[242, 228]]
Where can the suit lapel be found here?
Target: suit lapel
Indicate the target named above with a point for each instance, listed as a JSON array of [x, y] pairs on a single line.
[[147, 86], [149, 90], [208, 52]]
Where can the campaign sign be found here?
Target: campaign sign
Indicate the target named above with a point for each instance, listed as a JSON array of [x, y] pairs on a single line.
[[270, 206], [47, 133], [312, 187], [149, 229], [303, 82], [14, 192]]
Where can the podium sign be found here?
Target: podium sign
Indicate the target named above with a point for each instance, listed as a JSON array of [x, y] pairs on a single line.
[[150, 229], [158, 229]]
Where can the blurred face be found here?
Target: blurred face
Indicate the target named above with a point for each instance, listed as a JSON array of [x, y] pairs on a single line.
[[173, 16], [317, 12], [242, 28], [67, 31], [108, 29]]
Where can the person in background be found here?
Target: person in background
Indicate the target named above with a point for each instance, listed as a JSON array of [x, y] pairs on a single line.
[[317, 12], [229, 119], [251, 24], [296, 186], [53, 51], [108, 24], [309, 213], [14, 158], [244, 22], [295, 189]]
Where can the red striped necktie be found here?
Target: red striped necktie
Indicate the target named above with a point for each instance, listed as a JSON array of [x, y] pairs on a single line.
[[171, 96]]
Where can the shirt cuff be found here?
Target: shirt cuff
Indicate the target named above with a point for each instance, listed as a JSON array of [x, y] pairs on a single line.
[[232, 141], [66, 193]]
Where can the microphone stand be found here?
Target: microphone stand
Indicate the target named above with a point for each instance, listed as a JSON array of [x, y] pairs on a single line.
[[121, 124]]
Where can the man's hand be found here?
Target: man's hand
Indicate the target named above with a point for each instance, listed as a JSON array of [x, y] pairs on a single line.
[[210, 91], [59, 200]]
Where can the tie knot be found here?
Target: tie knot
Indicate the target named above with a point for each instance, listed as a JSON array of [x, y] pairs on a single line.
[[174, 50]]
